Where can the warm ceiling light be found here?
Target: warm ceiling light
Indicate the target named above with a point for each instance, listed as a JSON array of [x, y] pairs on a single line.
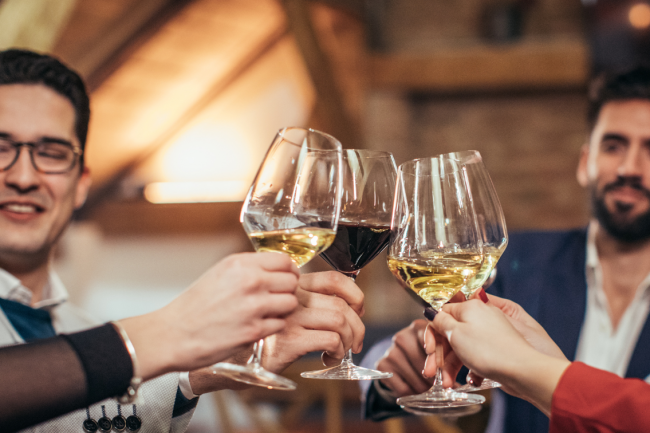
[[195, 192], [640, 16]]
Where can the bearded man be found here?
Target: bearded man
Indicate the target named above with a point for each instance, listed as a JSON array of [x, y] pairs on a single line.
[[590, 287]]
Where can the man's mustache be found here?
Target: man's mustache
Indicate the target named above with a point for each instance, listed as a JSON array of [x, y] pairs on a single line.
[[630, 182]]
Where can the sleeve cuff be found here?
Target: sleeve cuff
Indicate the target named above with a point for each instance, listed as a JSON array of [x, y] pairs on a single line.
[[380, 403], [185, 386]]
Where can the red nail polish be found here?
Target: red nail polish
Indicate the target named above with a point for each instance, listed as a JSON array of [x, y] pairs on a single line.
[[483, 296]]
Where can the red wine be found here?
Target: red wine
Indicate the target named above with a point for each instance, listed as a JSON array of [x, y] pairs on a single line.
[[354, 246]]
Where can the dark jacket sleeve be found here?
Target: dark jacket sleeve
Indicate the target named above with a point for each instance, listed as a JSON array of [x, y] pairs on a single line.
[[54, 376]]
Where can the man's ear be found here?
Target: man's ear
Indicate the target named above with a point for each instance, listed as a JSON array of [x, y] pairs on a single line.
[[83, 186], [582, 173]]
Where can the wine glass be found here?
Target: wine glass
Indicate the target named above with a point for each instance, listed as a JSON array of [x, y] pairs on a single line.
[[435, 250], [293, 208], [492, 228], [363, 232]]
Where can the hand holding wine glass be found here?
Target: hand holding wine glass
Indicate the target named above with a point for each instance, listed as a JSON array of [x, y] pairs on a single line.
[[293, 208], [435, 251]]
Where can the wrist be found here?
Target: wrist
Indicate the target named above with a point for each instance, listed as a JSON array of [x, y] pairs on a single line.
[[146, 333], [534, 377]]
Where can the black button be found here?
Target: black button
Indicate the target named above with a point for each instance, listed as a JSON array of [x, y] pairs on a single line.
[[90, 426], [104, 424], [119, 423], [133, 423]]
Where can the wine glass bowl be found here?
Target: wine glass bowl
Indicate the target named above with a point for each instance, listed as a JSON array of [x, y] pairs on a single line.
[[435, 250], [291, 208], [490, 219]]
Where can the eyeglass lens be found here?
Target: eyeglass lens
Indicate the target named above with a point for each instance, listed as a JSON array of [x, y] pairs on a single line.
[[46, 156]]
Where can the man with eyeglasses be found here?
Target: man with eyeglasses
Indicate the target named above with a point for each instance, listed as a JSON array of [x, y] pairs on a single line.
[[44, 114]]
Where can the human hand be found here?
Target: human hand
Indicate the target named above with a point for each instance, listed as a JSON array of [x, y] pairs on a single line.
[[327, 319], [484, 339], [241, 299], [405, 359]]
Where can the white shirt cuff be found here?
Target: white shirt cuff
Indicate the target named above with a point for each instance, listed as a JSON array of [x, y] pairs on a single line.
[[184, 385]]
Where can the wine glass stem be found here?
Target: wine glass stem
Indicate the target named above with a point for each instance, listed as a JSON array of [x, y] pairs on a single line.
[[255, 360], [347, 359], [437, 382]]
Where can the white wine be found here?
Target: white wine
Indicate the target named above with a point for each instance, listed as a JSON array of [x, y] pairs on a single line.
[[437, 278], [490, 258], [302, 244]]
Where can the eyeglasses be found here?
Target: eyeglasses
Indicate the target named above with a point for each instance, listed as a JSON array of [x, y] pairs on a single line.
[[49, 157]]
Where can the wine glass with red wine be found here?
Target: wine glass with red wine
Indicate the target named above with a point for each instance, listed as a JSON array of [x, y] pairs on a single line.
[[363, 232]]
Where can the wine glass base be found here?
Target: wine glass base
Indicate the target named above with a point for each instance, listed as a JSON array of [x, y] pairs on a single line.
[[254, 376], [346, 371], [440, 401], [445, 411], [486, 384]]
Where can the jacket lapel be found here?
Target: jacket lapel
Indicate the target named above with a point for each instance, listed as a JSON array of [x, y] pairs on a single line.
[[563, 299], [639, 365]]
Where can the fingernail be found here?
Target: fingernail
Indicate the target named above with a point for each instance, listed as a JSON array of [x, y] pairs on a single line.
[[483, 296], [430, 313]]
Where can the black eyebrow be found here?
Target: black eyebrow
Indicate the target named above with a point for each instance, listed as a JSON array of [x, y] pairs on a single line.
[[614, 136], [41, 140], [55, 140]]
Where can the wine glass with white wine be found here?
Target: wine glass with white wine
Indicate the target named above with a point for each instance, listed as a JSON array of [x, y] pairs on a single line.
[[292, 208], [435, 250], [492, 227]]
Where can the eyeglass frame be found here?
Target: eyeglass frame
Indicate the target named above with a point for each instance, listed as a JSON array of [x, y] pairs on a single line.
[[31, 145]]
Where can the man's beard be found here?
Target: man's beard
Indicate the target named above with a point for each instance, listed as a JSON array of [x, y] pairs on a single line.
[[618, 224]]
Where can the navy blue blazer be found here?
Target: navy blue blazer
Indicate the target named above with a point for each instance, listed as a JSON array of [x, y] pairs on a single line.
[[544, 272]]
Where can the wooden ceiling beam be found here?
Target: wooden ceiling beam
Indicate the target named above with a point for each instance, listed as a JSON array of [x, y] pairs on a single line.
[[33, 24], [333, 113], [106, 189], [543, 64], [99, 57]]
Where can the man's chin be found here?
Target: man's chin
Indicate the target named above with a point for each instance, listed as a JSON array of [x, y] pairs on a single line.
[[629, 224], [21, 250]]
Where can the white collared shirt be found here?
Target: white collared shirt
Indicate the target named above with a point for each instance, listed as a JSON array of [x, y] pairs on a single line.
[[600, 345], [54, 293]]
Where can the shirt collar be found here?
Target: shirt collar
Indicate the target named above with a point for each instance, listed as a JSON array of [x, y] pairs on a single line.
[[592, 251], [594, 272], [54, 292]]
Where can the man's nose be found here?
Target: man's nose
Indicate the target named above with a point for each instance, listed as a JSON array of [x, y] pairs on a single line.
[[22, 175], [633, 163]]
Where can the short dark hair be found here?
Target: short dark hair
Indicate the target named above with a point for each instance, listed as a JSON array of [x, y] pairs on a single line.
[[633, 83], [28, 67]]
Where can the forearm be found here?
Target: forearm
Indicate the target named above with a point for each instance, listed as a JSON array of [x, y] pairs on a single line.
[[532, 376]]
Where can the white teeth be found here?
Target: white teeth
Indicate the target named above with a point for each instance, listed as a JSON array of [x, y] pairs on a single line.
[[20, 208]]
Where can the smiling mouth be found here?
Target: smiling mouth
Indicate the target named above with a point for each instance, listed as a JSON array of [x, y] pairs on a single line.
[[21, 208]]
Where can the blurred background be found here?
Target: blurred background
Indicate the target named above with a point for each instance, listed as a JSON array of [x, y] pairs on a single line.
[[186, 96]]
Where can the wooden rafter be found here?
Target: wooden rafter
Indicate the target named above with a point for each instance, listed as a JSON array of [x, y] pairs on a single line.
[[33, 24], [332, 110], [100, 193]]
